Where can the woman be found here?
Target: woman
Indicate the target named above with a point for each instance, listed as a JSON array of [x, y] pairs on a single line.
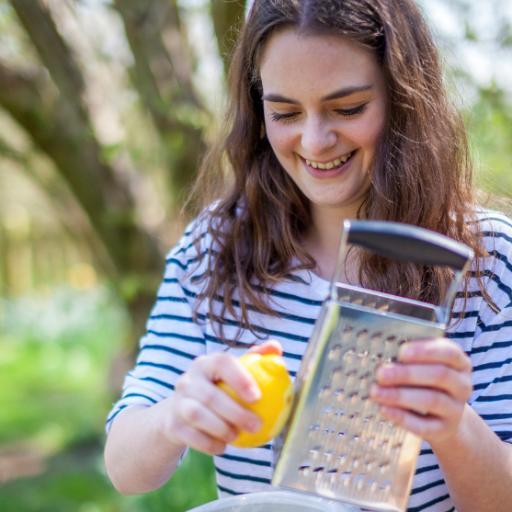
[[337, 111]]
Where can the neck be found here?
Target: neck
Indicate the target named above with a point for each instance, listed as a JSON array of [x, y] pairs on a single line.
[[323, 239]]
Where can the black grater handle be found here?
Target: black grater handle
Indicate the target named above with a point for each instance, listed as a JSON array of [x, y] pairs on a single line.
[[404, 242]]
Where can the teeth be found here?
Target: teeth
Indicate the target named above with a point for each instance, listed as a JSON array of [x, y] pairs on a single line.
[[329, 165]]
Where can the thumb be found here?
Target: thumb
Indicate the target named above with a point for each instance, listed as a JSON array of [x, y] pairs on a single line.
[[268, 347]]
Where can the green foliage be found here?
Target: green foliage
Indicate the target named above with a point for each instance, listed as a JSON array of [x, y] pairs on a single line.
[[55, 353], [490, 128], [54, 356]]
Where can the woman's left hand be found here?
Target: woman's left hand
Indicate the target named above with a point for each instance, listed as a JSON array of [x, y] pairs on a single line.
[[426, 390]]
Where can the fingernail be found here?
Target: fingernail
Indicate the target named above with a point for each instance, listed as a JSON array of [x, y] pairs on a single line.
[[374, 391]]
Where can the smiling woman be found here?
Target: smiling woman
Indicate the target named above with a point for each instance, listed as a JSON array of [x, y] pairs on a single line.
[[337, 110], [325, 137]]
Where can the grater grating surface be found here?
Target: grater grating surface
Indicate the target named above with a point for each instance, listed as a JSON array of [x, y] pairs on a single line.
[[336, 443]]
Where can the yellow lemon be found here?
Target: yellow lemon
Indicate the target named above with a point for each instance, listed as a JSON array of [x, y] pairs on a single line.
[[273, 408]]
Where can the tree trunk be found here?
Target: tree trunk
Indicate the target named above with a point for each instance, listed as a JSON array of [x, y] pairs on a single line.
[[59, 126], [162, 74], [228, 17]]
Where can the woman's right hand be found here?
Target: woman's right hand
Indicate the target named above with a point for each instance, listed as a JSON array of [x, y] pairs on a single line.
[[202, 416]]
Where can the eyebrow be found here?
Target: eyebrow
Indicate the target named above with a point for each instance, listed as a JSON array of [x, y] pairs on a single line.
[[340, 93]]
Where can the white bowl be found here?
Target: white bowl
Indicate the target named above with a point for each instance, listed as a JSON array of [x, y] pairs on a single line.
[[275, 501]]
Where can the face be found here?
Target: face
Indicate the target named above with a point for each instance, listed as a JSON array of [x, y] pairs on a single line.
[[325, 106]]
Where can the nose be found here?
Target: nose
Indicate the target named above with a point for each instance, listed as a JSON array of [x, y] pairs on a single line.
[[318, 137]]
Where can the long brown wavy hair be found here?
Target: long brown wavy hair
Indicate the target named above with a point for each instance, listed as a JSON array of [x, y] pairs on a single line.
[[422, 174]]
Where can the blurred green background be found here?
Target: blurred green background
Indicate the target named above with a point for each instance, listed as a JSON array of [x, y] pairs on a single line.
[[105, 110]]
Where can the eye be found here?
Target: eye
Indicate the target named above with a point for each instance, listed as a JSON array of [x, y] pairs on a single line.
[[288, 116], [351, 111]]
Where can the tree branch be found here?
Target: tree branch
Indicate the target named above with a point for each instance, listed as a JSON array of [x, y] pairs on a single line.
[[32, 101], [162, 75], [228, 16]]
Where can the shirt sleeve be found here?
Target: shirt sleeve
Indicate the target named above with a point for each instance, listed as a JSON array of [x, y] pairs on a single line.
[[172, 338], [491, 351]]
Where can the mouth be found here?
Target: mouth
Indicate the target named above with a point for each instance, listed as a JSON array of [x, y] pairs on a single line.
[[330, 165]]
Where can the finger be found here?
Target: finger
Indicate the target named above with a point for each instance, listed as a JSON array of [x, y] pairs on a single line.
[[425, 427], [435, 376], [268, 347], [224, 367], [420, 400], [214, 398], [439, 350], [194, 414], [198, 440]]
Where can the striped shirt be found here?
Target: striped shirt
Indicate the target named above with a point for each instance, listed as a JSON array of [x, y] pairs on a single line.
[[173, 340]]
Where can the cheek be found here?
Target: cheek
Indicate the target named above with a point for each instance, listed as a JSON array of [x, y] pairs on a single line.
[[368, 135], [280, 137], [369, 130]]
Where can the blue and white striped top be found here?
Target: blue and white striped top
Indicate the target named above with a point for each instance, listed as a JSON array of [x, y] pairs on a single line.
[[173, 340]]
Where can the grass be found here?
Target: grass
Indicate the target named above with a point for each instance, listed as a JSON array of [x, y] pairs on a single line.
[[55, 352]]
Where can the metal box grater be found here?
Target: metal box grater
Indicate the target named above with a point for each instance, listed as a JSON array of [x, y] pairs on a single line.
[[336, 444]]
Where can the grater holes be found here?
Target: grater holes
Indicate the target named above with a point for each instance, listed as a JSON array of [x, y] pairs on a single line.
[[304, 469], [383, 466], [339, 394], [351, 382], [353, 415], [349, 357], [396, 447], [325, 392], [362, 334], [337, 373], [327, 410], [314, 427], [339, 412], [358, 482], [366, 375], [345, 478], [353, 394], [376, 336], [347, 329], [366, 419], [335, 352], [327, 431], [340, 435], [369, 464], [363, 354], [385, 485], [329, 454]]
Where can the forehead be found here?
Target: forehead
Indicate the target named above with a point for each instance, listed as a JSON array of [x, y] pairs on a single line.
[[315, 64]]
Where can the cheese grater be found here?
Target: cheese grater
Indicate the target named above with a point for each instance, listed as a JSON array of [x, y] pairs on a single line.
[[336, 444]]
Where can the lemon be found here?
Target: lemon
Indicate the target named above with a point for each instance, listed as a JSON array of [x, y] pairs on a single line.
[[273, 408]]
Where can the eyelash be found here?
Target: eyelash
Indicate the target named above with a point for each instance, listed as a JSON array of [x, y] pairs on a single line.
[[343, 112]]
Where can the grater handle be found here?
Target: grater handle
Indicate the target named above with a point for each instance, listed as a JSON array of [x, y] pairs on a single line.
[[403, 242]]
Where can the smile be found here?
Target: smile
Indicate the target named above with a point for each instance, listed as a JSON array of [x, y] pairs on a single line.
[[329, 165]]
